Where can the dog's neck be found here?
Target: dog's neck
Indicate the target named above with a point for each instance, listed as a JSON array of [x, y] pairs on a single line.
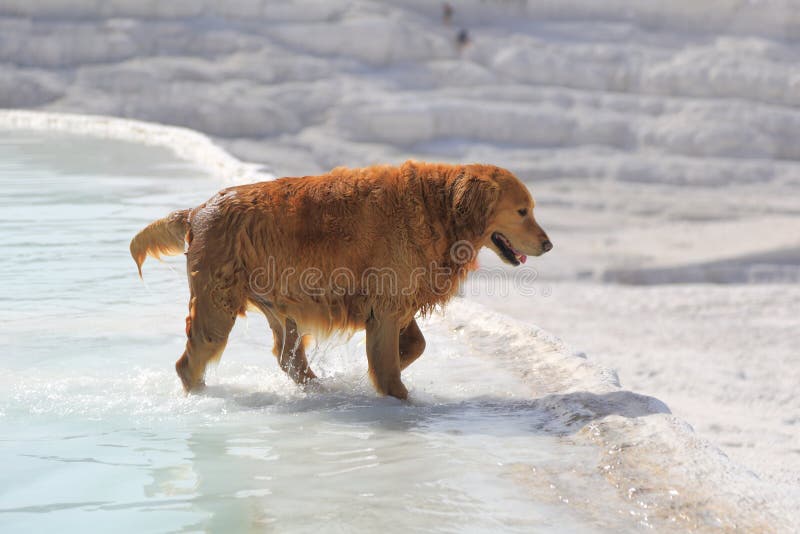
[[454, 226]]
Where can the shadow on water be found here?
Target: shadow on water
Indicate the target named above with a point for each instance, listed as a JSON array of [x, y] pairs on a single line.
[[556, 414]]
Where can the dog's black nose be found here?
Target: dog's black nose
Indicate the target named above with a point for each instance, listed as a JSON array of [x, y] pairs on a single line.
[[547, 245]]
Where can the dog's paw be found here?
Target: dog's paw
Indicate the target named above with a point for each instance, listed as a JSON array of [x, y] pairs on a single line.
[[397, 389]]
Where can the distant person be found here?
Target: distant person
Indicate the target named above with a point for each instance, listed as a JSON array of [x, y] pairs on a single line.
[[462, 39], [447, 13]]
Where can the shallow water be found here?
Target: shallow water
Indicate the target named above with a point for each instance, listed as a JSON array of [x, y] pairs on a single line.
[[97, 433]]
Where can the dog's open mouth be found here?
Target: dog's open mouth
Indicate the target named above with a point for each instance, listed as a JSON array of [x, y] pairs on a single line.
[[513, 256]]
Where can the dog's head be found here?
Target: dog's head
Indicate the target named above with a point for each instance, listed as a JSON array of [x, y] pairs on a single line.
[[497, 208]]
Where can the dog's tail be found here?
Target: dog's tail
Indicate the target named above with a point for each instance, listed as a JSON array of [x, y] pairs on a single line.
[[165, 236]]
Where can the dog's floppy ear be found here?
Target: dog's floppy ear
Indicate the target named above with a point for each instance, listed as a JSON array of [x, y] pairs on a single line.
[[473, 199]]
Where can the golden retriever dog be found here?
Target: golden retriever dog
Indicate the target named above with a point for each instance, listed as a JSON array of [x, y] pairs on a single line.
[[368, 248]]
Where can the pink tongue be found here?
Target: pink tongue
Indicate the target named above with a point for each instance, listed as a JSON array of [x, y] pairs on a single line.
[[523, 258]]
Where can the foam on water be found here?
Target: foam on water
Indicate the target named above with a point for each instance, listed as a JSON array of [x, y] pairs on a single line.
[[505, 429]]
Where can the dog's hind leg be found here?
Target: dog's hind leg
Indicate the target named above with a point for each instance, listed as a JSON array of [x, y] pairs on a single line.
[[212, 313], [412, 344], [290, 350], [276, 325]]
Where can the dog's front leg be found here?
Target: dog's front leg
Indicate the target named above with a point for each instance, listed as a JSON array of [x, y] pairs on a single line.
[[383, 354]]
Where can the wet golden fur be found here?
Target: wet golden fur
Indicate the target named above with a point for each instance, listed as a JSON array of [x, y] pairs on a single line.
[[352, 249]]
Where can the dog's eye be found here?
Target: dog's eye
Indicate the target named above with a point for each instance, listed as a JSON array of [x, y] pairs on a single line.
[[523, 211]]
